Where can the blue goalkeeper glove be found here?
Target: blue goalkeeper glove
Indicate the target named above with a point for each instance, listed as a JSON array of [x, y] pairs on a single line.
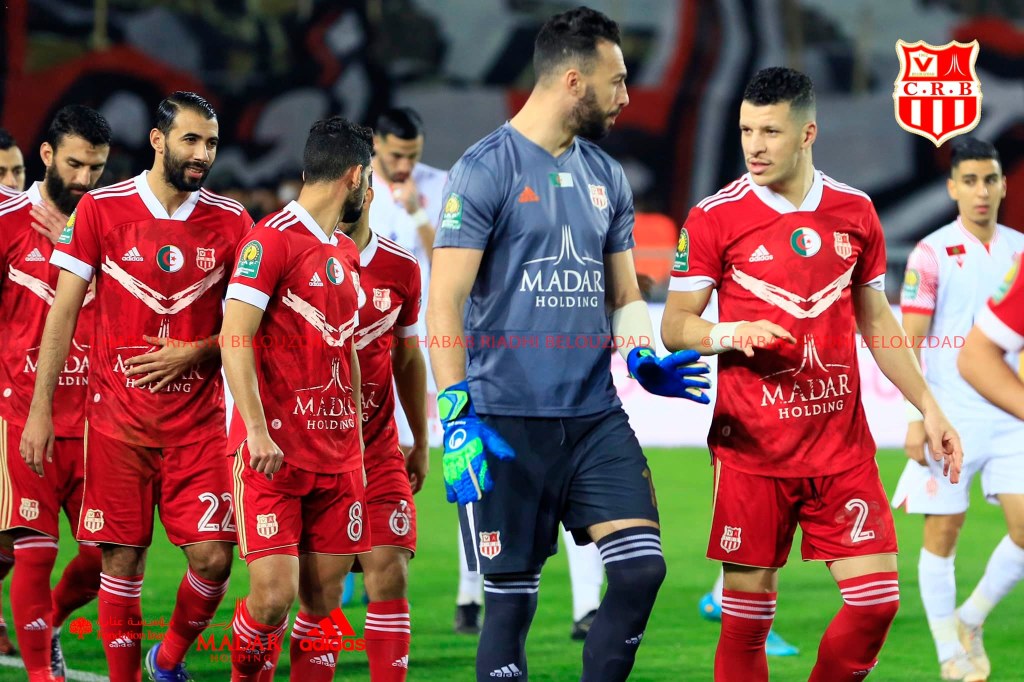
[[679, 375], [467, 441]]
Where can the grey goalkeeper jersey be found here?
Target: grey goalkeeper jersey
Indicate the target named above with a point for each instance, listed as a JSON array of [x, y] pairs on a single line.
[[537, 333]]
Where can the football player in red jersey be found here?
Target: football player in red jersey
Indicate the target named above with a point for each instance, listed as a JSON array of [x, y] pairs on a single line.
[[388, 352], [290, 359], [12, 166], [161, 249], [799, 262], [75, 154]]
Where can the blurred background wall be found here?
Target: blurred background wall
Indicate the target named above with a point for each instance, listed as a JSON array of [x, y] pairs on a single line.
[[271, 67]]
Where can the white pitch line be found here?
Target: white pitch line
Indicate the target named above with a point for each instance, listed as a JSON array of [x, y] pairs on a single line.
[[79, 676]]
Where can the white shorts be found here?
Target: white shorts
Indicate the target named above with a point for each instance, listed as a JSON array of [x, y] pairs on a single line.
[[433, 423], [996, 450]]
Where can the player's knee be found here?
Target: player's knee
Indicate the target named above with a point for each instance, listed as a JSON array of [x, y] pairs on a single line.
[[387, 581], [320, 597], [876, 617], [270, 603], [123, 562], [210, 560]]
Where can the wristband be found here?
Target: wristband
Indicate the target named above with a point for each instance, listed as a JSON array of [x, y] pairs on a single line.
[[419, 217], [723, 336], [913, 414]]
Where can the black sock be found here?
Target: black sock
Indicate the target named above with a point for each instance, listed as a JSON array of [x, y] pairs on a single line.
[[635, 568], [510, 600]]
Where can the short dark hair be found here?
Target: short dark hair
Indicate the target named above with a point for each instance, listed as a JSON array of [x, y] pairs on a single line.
[[168, 109], [81, 121], [572, 35], [334, 146], [402, 122], [778, 84], [6, 139], [967, 148]]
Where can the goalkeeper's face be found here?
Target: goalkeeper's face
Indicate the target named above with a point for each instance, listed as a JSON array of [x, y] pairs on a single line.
[[600, 94]]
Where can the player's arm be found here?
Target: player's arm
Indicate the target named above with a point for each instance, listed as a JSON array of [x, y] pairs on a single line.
[[451, 279], [37, 439], [918, 297], [411, 381], [241, 322], [916, 326], [356, 372], [899, 364], [982, 363]]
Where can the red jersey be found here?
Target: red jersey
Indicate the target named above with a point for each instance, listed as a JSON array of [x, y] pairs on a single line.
[[1002, 320], [793, 409], [26, 293], [156, 275], [388, 310], [307, 285]]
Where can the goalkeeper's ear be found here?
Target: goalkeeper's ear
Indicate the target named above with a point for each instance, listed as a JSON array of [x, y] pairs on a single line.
[[632, 328]]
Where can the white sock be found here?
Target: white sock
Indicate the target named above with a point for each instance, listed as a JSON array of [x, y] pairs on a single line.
[[471, 584], [1005, 569], [587, 575], [937, 579], [716, 591]]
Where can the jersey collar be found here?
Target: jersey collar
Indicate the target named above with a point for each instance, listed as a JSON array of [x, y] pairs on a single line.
[[970, 236], [367, 254], [33, 193], [296, 209], [780, 204], [182, 213]]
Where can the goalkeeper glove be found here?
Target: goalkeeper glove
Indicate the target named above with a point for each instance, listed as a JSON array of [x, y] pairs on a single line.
[[678, 375], [467, 442]]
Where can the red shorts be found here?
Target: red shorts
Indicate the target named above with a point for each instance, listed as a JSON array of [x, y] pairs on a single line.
[[842, 516], [299, 511], [389, 504], [123, 483], [28, 501]]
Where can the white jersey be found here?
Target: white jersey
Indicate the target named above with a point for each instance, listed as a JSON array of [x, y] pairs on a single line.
[[950, 276]]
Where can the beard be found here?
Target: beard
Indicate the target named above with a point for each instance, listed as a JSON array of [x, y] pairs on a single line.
[[352, 209], [174, 172], [63, 195], [587, 119]]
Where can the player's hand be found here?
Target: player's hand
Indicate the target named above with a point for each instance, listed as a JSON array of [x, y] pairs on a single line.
[[37, 441], [48, 221], [407, 194], [944, 444], [759, 334], [467, 442], [160, 367], [914, 445], [679, 375], [417, 464], [264, 455]]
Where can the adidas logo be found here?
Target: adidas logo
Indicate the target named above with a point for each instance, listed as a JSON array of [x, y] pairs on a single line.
[[35, 257], [315, 281], [510, 670], [122, 642], [528, 196], [133, 256], [403, 662], [325, 660], [760, 255], [36, 625]]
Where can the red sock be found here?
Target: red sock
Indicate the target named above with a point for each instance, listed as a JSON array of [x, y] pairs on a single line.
[[849, 649], [746, 619], [388, 632], [197, 602], [314, 654], [120, 612], [30, 600], [254, 641], [79, 583], [270, 665]]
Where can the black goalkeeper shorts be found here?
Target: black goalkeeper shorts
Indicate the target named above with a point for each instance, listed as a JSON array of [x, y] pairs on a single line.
[[577, 471]]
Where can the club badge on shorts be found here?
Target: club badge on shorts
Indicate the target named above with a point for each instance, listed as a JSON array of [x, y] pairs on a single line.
[[490, 544], [731, 539], [266, 525], [937, 93], [93, 521]]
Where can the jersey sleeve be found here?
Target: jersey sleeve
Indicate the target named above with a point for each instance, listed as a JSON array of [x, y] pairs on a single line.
[[407, 323], [620, 233], [473, 197], [259, 266], [870, 267], [1002, 320], [78, 248], [921, 281], [699, 258]]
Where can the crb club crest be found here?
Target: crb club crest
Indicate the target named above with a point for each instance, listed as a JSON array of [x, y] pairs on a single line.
[[266, 525], [93, 520], [731, 539], [490, 544], [205, 259], [382, 299], [937, 94], [29, 509], [842, 243], [598, 196]]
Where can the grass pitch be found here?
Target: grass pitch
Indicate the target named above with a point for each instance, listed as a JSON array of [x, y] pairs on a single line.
[[678, 644]]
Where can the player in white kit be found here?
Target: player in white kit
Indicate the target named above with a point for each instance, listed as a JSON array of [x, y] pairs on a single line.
[[950, 275]]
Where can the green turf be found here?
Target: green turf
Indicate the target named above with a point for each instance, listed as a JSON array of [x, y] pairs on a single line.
[[678, 644]]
